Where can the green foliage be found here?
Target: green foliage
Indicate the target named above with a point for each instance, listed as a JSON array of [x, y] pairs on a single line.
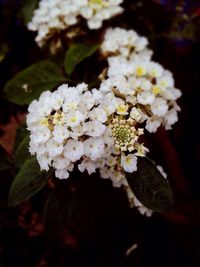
[[150, 187], [76, 54], [21, 133], [27, 183], [28, 84], [5, 160], [26, 12], [22, 152]]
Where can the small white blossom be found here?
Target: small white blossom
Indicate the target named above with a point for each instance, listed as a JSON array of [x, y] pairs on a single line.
[[98, 114], [94, 128], [44, 161], [73, 150], [53, 148], [60, 133], [88, 165], [73, 119], [41, 134], [159, 107], [145, 98], [94, 148], [62, 174], [129, 163], [153, 123]]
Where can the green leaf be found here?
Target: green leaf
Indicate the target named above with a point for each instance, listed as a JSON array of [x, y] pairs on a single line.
[[21, 133], [28, 84], [22, 153], [76, 54], [58, 207], [150, 187], [27, 183], [26, 12], [5, 160]]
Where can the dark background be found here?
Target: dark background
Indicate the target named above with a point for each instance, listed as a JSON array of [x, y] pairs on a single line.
[[101, 227]]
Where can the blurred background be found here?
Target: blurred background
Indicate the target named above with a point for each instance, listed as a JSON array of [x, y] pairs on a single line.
[[102, 227]]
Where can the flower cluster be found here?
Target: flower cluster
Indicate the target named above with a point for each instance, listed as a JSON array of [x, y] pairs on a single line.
[[100, 129], [73, 124], [118, 41], [56, 15], [146, 87]]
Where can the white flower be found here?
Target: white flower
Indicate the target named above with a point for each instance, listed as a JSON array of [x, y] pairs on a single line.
[[94, 128], [145, 98], [77, 132], [159, 107], [171, 94], [170, 118], [117, 178], [94, 148], [88, 165], [73, 150], [53, 148], [73, 119], [44, 161], [41, 135], [72, 100], [141, 208], [87, 101], [154, 69], [145, 84], [166, 80], [118, 40], [98, 114], [105, 173], [62, 174], [121, 107], [129, 163], [97, 95], [136, 114], [61, 163], [153, 123], [60, 133], [36, 148]]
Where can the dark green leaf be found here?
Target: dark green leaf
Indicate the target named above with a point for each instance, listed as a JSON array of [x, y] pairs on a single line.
[[27, 183], [21, 133], [76, 54], [58, 207], [150, 187], [32, 81], [22, 153], [26, 12], [5, 160]]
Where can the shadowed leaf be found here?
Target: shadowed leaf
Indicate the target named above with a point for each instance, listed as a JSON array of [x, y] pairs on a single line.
[[28, 84], [22, 153], [76, 54], [150, 187], [28, 182]]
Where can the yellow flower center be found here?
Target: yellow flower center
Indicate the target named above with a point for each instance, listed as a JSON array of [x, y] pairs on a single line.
[[124, 133], [51, 120], [100, 3], [140, 71], [156, 90]]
